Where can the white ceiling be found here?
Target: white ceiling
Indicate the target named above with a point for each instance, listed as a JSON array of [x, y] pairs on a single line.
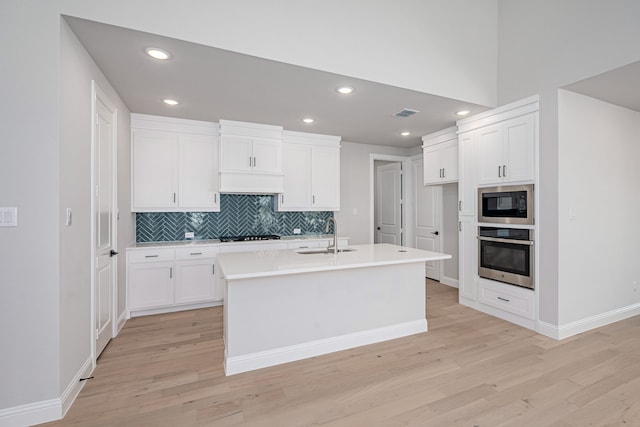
[[213, 84]]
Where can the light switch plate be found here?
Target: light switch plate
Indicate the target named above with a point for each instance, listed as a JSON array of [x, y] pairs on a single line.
[[297, 231], [189, 235], [8, 217]]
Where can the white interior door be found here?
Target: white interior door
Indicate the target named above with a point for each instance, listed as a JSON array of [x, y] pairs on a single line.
[[428, 218], [389, 203], [104, 292]]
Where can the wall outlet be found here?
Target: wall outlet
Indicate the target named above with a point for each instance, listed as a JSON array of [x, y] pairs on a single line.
[[189, 235], [8, 217], [297, 231]]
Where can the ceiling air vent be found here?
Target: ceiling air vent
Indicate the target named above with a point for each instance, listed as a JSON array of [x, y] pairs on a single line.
[[406, 112]]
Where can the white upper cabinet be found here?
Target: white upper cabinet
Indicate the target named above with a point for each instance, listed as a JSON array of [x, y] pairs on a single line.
[[250, 158], [506, 151], [440, 154], [174, 165], [311, 166]]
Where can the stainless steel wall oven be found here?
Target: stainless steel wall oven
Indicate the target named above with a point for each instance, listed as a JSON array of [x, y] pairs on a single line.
[[506, 255]]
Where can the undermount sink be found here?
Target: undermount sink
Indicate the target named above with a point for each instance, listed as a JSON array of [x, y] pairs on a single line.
[[322, 251]]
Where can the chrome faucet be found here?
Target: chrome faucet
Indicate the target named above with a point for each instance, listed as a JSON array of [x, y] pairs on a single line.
[[335, 234]]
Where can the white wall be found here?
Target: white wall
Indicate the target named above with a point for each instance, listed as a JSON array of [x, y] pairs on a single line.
[[443, 47], [29, 179], [598, 248], [543, 46], [77, 70], [353, 218]]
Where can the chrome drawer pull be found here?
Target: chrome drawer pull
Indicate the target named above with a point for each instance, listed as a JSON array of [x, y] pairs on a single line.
[[503, 299], [151, 256], [195, 253]]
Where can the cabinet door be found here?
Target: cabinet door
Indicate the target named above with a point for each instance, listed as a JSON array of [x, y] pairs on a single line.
[[154, 170], [325, 178], [449, 156], [195, 281], [267, 155], [518, 151], [150, 285], [432, 165], [198, 174], [296, 167], [489, 153], [467, 174], [236, 153], [468, 262]]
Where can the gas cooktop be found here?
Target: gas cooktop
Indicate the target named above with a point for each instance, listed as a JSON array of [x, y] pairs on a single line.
[[249, 238]]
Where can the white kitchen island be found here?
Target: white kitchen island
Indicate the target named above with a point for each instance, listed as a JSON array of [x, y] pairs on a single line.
[[284, 305]]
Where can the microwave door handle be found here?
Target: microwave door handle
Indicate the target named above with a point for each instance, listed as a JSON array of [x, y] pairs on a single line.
[[511, 241]]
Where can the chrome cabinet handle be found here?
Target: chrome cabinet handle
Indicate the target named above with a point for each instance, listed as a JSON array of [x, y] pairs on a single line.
[[195, 253], [213, 269], [504, 170], [151, 256], [170, 272], [313, 199], [254, 162], [174, 197], [250, 162], [503, 299], [215, 197], [499, 176], [460, 205], [459, 225], [444, 173]]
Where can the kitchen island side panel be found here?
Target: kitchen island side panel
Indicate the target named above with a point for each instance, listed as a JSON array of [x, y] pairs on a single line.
[[278, 312]]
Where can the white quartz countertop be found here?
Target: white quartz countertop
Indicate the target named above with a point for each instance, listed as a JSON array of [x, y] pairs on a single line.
[[247, 265]]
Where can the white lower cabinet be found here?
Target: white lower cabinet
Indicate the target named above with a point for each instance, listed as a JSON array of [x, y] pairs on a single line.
[[150, 285], [512, 299], [160, 280]]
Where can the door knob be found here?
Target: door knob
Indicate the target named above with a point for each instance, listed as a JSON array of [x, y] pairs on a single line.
[[113, 253], [435, 232], [378, 228]]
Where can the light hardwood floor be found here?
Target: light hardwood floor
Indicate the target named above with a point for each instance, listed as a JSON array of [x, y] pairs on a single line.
[[469, 369]]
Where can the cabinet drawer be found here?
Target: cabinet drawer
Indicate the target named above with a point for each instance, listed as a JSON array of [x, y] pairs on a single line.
[[196, 252], [509, 298], [151, 255]]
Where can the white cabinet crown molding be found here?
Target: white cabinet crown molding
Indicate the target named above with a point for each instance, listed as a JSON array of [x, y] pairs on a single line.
[[441, 136], [505, 112], [230, 127], [171, 124]]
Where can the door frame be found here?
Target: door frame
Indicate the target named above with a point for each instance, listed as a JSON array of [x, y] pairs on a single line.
[[98, 93], [407, 204]]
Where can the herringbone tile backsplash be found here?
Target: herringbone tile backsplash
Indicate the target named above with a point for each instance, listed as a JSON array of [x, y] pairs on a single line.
[[239, 214]]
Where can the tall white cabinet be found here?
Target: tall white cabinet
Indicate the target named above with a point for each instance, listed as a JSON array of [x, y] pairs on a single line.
[[496, 147], [174, 165], [311, 167]]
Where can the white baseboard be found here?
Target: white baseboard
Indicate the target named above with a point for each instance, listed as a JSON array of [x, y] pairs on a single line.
[[574, 328], [32, 413], [46, 410], [449, 281], [549, 330], [73, 388], [263, 359], [172, 309], [122, 319]]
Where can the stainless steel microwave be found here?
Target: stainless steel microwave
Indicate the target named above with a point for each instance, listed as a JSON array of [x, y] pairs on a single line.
[[508, 204]]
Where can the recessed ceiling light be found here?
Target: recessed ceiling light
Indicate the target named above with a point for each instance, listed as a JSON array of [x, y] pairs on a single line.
[[171, 102], [405, 133], [345, 90], [308, 120], [157, 53], [463, 112]]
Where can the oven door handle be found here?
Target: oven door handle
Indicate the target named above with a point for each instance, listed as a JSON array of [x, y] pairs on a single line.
[[512, 241]]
